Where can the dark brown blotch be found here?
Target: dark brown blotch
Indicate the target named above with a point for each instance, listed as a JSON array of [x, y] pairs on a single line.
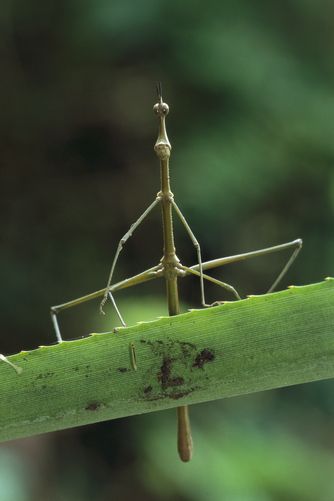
[[93, 406], [203, 357], [164, 375], [180, 394]]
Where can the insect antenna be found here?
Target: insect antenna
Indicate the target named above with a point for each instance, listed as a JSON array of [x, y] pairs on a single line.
[[159, 91]]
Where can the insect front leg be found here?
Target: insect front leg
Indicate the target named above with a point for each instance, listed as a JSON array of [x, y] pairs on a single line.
[[122, 241]]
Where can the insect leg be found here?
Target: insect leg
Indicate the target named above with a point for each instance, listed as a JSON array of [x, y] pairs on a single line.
[[295, 245], [54, 319], [120, 247], [224, 285], [285, 267], [197, 247], [128, 282]]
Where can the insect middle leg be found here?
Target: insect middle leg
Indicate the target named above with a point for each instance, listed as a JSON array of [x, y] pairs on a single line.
[[197, 247], [224, 285]]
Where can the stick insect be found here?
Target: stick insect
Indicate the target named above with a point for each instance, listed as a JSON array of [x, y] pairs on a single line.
[[170, 267]]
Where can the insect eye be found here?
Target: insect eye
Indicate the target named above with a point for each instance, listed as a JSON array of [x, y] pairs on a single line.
[[164, 108], [161, 109]]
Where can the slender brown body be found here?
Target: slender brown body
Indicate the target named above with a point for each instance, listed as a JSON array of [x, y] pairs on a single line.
[[170, 261]]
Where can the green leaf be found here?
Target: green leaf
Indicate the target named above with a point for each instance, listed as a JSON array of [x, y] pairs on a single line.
[[256, 344]]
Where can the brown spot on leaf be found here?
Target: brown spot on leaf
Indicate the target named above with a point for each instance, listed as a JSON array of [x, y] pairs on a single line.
[[164, 375], [180, 394], [187, 349], [122, 369], [93, 406], [45, 375], [173, 393], [203, 357]]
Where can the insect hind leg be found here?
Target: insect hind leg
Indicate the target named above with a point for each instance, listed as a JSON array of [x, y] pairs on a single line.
[[53, 313]]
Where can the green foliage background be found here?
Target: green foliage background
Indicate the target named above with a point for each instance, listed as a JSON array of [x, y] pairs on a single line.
[[250, 89]]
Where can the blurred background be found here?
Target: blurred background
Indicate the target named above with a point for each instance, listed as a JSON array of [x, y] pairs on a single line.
[[250, 89]]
